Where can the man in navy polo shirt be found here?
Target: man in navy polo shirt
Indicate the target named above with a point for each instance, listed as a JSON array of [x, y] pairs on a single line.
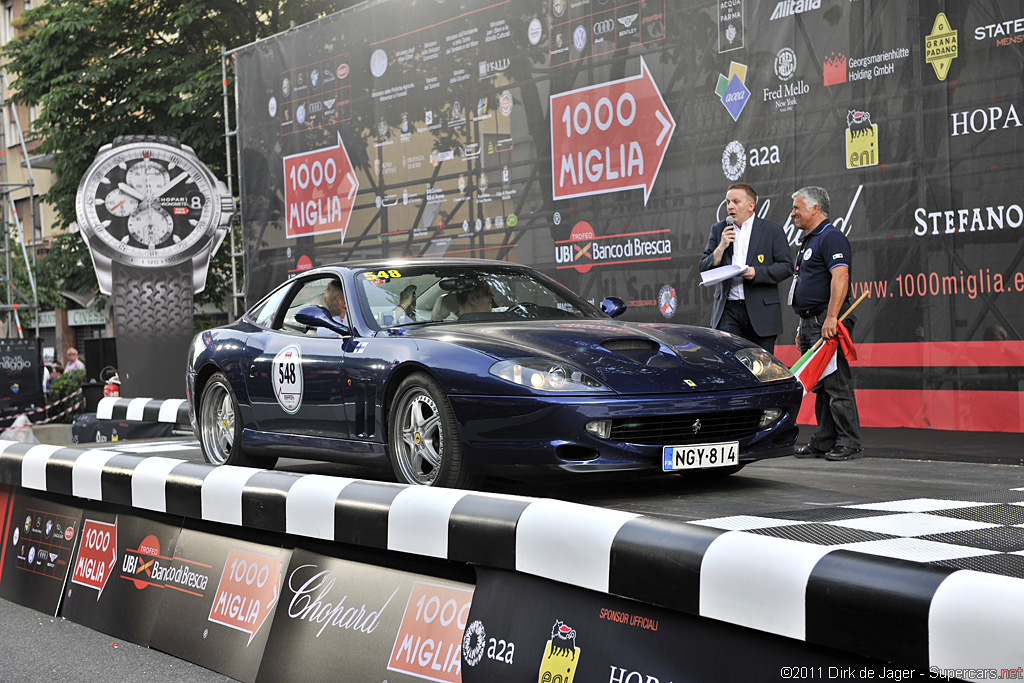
[[821, 291]]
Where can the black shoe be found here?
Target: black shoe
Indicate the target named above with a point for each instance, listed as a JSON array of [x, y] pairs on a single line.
[[809, 451], [844, 453]]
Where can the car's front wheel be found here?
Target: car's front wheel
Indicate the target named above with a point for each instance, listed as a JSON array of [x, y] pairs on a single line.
[[423, 437], [220, 427]]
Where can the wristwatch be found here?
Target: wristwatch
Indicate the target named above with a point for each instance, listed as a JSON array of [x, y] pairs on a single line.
[[152, 215]]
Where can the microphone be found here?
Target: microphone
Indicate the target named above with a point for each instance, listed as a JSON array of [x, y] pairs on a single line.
[[730, 221]]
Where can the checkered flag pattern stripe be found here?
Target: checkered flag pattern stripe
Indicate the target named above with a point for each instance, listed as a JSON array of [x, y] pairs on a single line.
[[173, 410], [922, 582]]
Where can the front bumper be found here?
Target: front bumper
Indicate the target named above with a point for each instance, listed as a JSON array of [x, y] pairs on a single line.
[[500, 431]]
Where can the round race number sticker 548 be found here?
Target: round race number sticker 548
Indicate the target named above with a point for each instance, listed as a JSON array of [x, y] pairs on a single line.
[[287, 374]]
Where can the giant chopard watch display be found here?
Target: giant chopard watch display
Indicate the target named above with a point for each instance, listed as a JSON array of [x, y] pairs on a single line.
[[153, 215]]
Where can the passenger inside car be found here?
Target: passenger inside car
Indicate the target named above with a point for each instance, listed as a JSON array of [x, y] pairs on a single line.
[[478, 300]]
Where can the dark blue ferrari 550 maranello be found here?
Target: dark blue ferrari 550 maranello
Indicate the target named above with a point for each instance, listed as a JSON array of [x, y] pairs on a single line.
[[447, 368]]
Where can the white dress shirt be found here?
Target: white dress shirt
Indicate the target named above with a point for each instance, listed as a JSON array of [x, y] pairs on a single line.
[[739, 257]]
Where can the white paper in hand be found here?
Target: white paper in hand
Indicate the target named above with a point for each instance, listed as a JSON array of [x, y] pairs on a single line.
[[720, 274]]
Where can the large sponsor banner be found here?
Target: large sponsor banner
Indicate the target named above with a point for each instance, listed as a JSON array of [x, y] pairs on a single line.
[[219, 601], [530, 630], [343, 620], [21, 369], [39, 541], [118, 578], [595, 141]]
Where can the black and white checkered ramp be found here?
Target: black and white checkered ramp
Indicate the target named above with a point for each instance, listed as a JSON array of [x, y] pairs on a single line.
[[890, 580], [938, 580], [172, 410]]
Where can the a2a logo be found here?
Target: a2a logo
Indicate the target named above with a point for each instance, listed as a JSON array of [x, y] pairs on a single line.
[[735, 158], [765, 155], [476, 645], [861, 140]]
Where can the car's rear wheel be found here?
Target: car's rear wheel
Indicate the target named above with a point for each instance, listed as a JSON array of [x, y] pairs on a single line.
[[220, 427], [423, 437]]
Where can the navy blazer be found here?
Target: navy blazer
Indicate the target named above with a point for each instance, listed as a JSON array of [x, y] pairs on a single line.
[[768, 254]]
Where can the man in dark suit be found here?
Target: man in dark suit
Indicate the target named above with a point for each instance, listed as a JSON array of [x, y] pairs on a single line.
[[748, 305]]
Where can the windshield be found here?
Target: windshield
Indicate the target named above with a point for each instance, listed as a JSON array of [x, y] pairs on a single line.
[[442, 294]]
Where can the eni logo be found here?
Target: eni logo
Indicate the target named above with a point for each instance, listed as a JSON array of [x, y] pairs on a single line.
[[561, 655], [861, 140]]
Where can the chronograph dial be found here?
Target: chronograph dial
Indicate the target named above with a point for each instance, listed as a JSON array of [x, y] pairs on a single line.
[[119, 203], [149, 202]]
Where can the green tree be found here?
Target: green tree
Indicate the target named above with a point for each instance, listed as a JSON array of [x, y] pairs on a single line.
[[97, 69]]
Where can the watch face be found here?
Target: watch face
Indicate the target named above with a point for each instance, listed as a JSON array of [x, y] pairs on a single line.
[[148, 204]]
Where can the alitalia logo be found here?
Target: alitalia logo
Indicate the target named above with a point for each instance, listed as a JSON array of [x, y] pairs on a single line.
[[787, 8]]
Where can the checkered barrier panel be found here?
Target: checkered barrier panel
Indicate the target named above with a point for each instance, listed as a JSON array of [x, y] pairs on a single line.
[[923, 583], [171, 410]]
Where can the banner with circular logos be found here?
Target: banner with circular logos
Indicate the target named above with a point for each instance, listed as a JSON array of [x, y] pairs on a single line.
[[595, 141], [524, 629]]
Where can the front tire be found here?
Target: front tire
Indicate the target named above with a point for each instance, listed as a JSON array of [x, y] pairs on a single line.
[[220, 427], [423, 436]]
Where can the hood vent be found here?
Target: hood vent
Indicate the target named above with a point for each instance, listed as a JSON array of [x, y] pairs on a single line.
[[644, 351]]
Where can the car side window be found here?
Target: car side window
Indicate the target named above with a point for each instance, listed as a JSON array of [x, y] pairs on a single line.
[[308, 293], [265, 312]]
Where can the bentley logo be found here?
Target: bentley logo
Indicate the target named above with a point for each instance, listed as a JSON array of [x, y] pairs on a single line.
[[696, 425]]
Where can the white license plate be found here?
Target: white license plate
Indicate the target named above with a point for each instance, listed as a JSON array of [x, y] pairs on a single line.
[[700, 456]]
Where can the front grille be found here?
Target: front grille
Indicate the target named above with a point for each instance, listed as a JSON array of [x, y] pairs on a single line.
[[677, 430]]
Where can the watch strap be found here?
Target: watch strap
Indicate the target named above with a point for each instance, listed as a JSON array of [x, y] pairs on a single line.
[[161, 139], [153, 323]]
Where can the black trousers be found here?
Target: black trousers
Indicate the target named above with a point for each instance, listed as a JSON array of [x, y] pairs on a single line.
[[736, 321], [835, 406]]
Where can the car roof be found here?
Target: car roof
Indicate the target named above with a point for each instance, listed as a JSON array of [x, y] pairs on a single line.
[[425, 262]]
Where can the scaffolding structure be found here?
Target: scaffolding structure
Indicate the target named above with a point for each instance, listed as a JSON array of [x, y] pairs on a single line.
[[231, 134], [16, 299]]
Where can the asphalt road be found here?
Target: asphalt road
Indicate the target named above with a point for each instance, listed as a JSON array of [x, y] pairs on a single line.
[[898, 464]]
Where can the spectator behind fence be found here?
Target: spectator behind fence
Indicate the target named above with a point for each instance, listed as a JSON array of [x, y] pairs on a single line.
[[73, 362]]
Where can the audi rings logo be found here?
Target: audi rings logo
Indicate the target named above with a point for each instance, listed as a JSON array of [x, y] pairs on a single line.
[[602, 27], [473, 643], [734, 160]]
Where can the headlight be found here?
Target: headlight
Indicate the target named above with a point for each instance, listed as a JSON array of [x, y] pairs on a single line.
[[545, 375], [763, 365]]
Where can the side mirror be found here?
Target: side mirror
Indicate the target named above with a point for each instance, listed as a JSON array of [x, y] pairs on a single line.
[[318, 316], [613, 306]]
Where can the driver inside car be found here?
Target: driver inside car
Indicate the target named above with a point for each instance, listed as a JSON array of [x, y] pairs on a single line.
[[334, 300]]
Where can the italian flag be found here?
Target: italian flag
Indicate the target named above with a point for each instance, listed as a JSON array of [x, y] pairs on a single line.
[[820, 359]]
